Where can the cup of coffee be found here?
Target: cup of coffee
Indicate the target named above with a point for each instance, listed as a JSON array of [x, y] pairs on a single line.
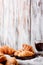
[[39, 46]]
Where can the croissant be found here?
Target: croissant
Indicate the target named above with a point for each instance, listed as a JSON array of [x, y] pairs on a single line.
[[23, 53], [11, 61], [27, 47], [2, 58], [4, 49], [7, 50]]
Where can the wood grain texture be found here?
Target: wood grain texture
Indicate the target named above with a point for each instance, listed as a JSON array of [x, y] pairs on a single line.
[[21, 21], [36, 21], [1, 21], [16, 22], [10, 23]]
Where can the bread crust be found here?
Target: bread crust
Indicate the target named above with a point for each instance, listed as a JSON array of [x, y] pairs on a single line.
[[26, 50], [27, 47], [7, 50], [2, 58], [23, 53]]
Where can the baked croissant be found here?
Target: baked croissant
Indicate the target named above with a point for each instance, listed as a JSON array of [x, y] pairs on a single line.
[[2, 58], [23, 53], [7, 50], [27, 47], [11, 61]]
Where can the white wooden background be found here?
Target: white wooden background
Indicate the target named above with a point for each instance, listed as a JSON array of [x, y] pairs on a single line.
[[21, 21]]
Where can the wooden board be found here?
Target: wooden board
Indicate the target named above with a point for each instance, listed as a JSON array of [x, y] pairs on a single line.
[[36, 21], [21, 21]]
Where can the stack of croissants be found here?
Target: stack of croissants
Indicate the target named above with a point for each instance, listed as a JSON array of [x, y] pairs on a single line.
[[26, 50]]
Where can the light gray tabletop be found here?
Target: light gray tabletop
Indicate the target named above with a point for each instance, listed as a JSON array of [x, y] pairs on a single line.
[[35, 61]]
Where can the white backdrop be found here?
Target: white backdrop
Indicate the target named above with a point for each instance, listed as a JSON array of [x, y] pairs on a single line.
[[21, 21]]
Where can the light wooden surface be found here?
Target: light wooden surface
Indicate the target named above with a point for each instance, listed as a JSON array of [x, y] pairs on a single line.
[[21, 21], [36, 21]]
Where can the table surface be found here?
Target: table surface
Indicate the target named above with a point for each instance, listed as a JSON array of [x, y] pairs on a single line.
[[35, 61]]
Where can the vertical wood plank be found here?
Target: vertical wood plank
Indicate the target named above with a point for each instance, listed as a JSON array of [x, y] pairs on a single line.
[[41, 21], [16, 21], [6, 19], [1, 21], [9, 23], [36, 21], [23, 22]]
